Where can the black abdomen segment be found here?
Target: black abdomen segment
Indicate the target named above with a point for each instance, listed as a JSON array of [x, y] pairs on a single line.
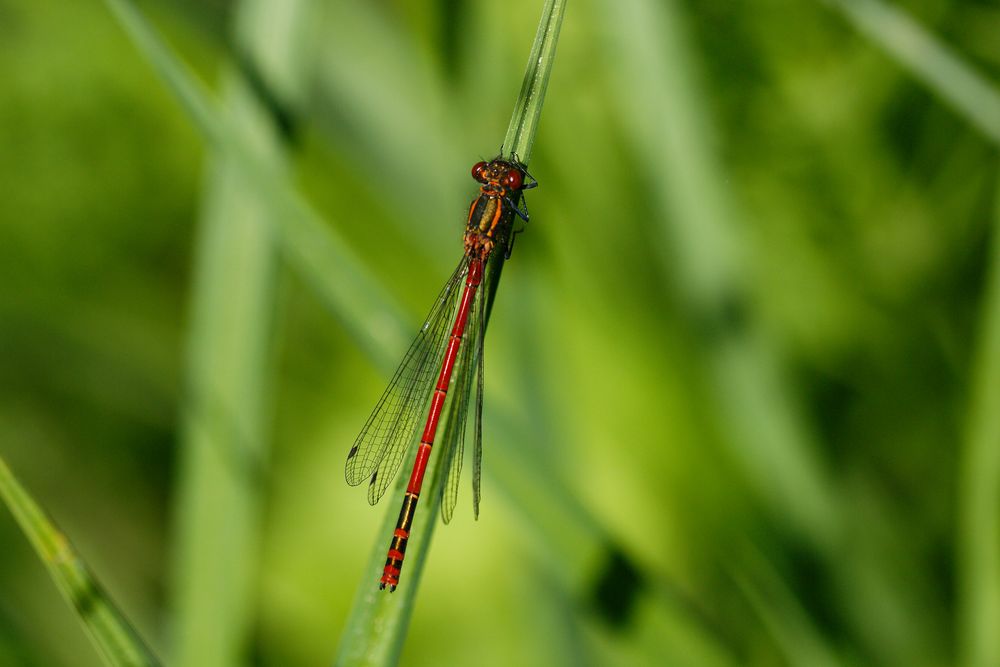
[[397, 547]]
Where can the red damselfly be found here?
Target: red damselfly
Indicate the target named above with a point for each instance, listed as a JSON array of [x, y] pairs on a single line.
[[457, 359]]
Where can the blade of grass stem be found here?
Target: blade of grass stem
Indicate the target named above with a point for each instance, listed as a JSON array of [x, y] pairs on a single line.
[[528, 108], [387, 109], [979, 487], [376, 627], [116, 641], [975, 98], [223, 449], [756, 409], [782, 615], [927, 58], [192, 95], [666, 121], [312, 247]]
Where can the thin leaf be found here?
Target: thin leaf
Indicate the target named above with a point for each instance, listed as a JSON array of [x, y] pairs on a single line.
[[974, 97], [788, 623], [313, 248], [667, 121], [224, 444], [193, 96], [979, 487], [378, 621], [928, 59], [528, 108], [116, 641]]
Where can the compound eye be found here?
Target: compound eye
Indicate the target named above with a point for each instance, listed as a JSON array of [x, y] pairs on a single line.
[[514, 180], [477, 171]]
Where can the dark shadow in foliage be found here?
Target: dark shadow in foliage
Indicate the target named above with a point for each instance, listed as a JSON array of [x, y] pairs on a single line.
[[616, 588], [453, 19], [729, 318], [280, 113]]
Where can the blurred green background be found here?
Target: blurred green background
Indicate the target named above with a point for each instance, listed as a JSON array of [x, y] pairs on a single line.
[[741, 372]]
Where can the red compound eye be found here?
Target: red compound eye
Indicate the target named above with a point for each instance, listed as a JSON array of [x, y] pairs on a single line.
[[477, 171], [514, 180]]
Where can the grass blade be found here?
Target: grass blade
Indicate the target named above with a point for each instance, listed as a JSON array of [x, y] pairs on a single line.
[[116, 640], [979, 488], [788, 623], [976, 99], [376, 627], [528, 108], [934, 63], [194, 97], [312, 247], [224, 444], [224, 448], [665, 118]]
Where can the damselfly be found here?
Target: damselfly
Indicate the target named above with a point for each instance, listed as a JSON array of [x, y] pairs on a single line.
[[381, 447]]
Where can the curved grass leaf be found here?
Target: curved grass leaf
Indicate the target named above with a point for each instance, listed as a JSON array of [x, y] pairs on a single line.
[[979, 488], [959, 85], [528, 108], [791, 627], [224, 445], [667, 121], [929, 60], [116, 640], [311, 247]]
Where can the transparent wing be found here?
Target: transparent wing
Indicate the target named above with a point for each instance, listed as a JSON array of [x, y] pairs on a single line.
[[379, 449], [453, 442], [477, 440]]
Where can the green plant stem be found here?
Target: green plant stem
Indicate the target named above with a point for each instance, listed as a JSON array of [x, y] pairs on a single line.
[[930, 60], [117, 642], [667, 123], [312, 247], [376, 627], [971, 95], [790, 626], [979, 487], [528, 108], [223, 450]]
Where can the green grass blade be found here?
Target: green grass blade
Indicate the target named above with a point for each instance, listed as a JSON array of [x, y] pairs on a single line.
[[312, 247], [782, 615], [194, 97], [376, 627], [528, 108], [979, 489], [666, 118], [365, 117], [223, 449], [224, 446], [931, 61], [977, 100], [116, 640]]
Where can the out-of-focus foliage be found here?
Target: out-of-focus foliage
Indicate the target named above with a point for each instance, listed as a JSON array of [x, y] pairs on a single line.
[[741, 331]]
